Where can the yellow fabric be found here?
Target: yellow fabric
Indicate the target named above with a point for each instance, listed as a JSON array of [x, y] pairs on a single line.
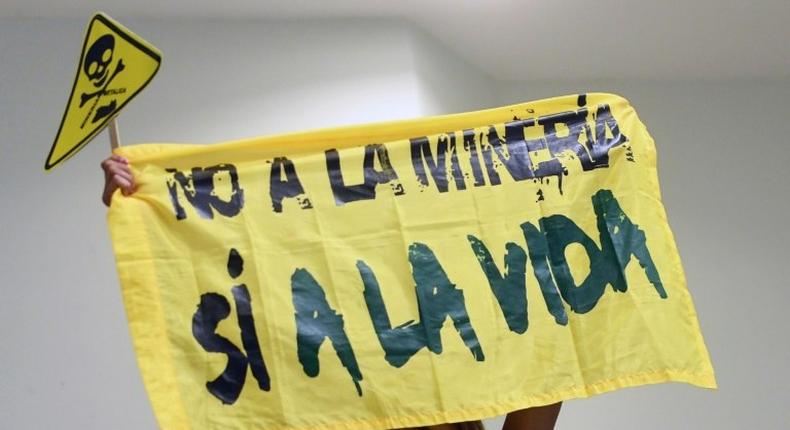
[[170, 265]]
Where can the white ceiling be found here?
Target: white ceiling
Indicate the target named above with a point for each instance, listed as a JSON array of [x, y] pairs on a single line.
[[529, 39]]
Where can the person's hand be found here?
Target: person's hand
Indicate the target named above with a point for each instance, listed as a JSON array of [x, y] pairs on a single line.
[[117, 174]]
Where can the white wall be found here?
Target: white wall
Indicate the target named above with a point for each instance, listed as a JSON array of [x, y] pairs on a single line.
[[448, 84], [239, 79], [65, 354]]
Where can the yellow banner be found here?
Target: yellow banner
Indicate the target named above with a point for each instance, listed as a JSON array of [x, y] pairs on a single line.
[[405, 273]]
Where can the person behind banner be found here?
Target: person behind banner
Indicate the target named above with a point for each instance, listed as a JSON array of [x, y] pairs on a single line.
[[118, 176]]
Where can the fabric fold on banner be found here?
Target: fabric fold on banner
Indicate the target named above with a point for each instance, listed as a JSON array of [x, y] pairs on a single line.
[[406, 273]]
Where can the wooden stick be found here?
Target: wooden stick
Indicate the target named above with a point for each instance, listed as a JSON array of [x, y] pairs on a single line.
[[115, 137]]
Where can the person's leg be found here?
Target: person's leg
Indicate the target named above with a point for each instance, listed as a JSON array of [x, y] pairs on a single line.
[[537, 418], [441, 427], [467, 425]]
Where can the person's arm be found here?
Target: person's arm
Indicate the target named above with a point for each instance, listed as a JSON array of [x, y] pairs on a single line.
[[117, 174]]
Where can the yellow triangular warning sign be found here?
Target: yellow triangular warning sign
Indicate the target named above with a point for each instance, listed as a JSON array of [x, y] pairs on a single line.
[[114, 66]]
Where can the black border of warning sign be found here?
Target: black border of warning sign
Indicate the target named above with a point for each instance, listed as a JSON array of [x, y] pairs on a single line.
[[49, 164]]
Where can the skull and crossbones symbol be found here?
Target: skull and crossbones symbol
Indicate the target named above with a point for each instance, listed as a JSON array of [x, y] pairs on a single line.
[[96, 67]]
